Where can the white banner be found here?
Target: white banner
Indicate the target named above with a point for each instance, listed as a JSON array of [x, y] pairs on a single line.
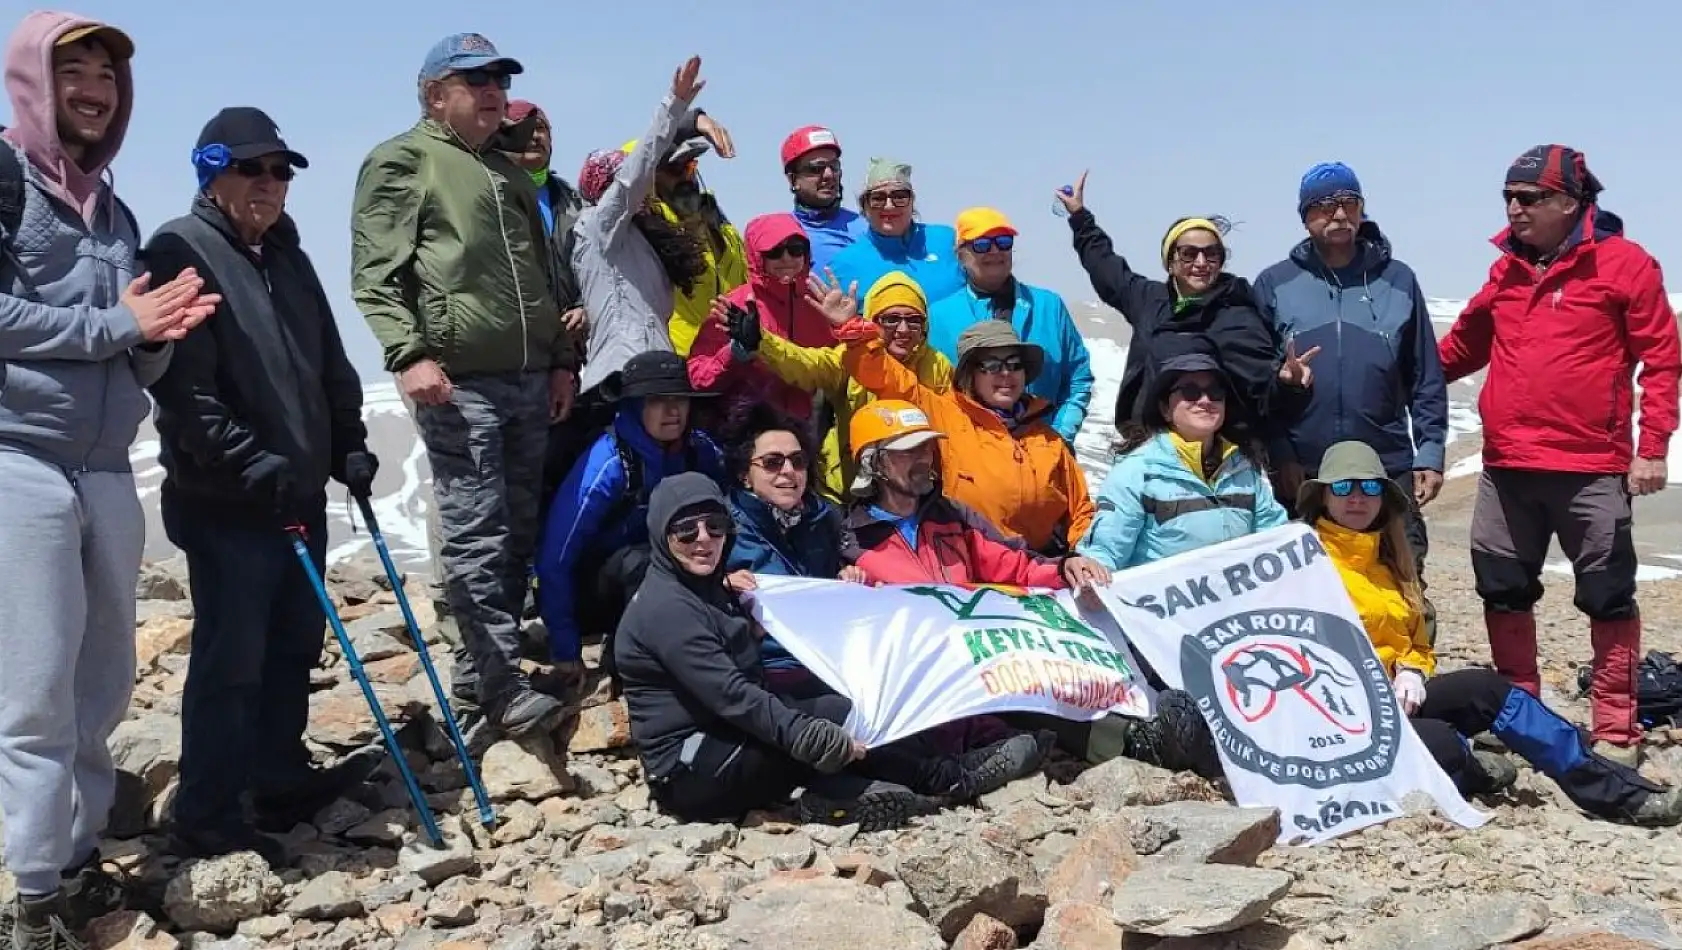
[[916, 656], [1263, 634]]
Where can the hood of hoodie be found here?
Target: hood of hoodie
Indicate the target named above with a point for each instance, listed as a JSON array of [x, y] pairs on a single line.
[[764, 233], [1372, 253], [30, 85], [672, 496]]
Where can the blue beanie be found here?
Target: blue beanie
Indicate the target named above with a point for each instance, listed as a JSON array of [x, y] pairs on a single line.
[[1324, 181]]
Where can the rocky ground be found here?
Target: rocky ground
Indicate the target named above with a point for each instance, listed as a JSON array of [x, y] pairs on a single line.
[[1121, 855]]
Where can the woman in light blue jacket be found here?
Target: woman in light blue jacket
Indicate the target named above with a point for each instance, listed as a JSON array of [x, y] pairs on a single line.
[[1178, 485]]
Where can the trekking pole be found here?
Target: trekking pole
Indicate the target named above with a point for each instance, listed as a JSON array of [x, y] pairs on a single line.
[[487, 814], [428, 822]]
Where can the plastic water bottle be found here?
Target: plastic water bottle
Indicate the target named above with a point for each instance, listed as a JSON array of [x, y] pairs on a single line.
[[1057, 206]]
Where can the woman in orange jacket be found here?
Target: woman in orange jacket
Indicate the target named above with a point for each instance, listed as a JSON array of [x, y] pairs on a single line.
[[1002, 459]]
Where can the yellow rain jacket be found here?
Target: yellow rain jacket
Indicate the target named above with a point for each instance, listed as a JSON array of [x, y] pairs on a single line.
[[1397, 631]]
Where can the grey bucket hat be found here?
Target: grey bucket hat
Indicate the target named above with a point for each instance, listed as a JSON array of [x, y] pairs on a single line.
[[997, 335], [1352, 461]]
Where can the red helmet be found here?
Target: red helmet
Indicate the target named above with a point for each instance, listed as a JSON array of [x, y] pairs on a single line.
[[803, 140]]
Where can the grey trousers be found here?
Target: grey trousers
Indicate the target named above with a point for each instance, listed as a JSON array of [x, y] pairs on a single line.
[[70, 550], [486, 448]]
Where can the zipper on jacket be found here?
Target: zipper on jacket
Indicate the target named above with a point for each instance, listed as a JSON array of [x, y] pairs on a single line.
[[507, 248]]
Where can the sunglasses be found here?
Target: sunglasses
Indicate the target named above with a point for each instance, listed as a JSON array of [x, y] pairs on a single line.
[[881, 199], [1188, 254], [688, 530], [1370, 487], [480, 78], [796, 247], [817, 169], [257, 168], [1351, 205], [773, 462], [1191, 392], [1001, 364], [1003, 242], [1525, 198], [895, 321]]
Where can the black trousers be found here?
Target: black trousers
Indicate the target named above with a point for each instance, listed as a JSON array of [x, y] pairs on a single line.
[[1459, 705], [732, 774], [609, 590], [258, 631]]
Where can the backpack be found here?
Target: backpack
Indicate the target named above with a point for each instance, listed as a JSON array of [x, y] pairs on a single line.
[[1658, 689], [13, 196], [635, 493]]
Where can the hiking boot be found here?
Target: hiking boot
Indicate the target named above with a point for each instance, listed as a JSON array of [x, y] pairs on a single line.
[[1178, 739], [42, 923], [524, 710], [1628, 756], [202, 843], [280, 813], [91, 891], [994, 766], [1660, 809], [1499, 773], [876, 806]]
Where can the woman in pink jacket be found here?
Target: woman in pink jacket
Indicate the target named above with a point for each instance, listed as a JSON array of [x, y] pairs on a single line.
[[779, 259]]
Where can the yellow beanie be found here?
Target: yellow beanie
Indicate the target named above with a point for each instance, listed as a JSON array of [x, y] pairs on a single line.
[[1179, 231], [895, 289]]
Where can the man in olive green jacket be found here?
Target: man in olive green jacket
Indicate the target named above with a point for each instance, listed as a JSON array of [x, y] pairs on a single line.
[[449, 267]]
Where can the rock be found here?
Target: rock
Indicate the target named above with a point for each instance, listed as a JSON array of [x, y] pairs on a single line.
[[217, 893], [819, 914], [148, 747], [601, 728], [953, 883], [1125, 783], [128, 930], [517, 821], [778, 852], [1482, 922], [1078, 926], [529, 770], [1101, 860], [327, 896], [380, 636], [1588, 941], [1170, 900], [437, 865], [1210, 833], [164, 636], [359, 580], [387, 827], [341, 816], [985, 933], [162, 580], [1263, 936]]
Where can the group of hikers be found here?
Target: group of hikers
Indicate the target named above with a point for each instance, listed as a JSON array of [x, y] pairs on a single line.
[[631, 409]]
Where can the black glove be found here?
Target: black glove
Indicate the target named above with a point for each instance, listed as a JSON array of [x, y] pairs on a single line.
[[824, 746], [743, 324], [270, 480], [358, 473]]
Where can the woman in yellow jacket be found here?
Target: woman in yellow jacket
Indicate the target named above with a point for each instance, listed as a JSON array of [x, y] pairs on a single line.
[[677, 183], [1002, 458], [897, 306], [1360, 517]]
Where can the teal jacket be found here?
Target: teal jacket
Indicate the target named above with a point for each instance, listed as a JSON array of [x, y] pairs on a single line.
[[1040, 318], [1151, 506]]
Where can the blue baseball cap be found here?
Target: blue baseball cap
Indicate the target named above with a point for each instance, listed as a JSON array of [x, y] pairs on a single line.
[[460, 52]]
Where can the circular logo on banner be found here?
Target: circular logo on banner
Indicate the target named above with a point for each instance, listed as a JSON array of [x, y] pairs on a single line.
[[1294, 696]]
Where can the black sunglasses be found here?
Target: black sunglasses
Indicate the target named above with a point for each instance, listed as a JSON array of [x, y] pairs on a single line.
[[817, 168], [795, 246], [688, 530], [1191, 392], [257, 168], [773, 462], [1526, 198], [1001, 364], [1188, 254], [984, 245], [881, 199], [480, 78]]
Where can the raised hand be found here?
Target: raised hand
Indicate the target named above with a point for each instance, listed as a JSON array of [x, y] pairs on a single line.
[[718, 135], [1074, 202], [1295, 370], [687, 82], [836, 305]]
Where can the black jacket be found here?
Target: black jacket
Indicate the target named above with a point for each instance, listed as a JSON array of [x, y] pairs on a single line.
[[1248, 347], [686, 651], [265, 376], [566, 204]]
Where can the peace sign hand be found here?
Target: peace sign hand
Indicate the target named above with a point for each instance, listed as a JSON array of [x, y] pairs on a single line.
[[1295, 371], [837, 306], [1075, 200]]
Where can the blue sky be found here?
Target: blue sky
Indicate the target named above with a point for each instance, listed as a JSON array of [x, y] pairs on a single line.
[[992, 103]]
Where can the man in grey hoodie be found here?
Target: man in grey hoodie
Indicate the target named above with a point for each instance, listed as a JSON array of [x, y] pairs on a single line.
[[80, 335]]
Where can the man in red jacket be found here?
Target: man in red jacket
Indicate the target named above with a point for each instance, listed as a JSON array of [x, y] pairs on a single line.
[[1568, 311]]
